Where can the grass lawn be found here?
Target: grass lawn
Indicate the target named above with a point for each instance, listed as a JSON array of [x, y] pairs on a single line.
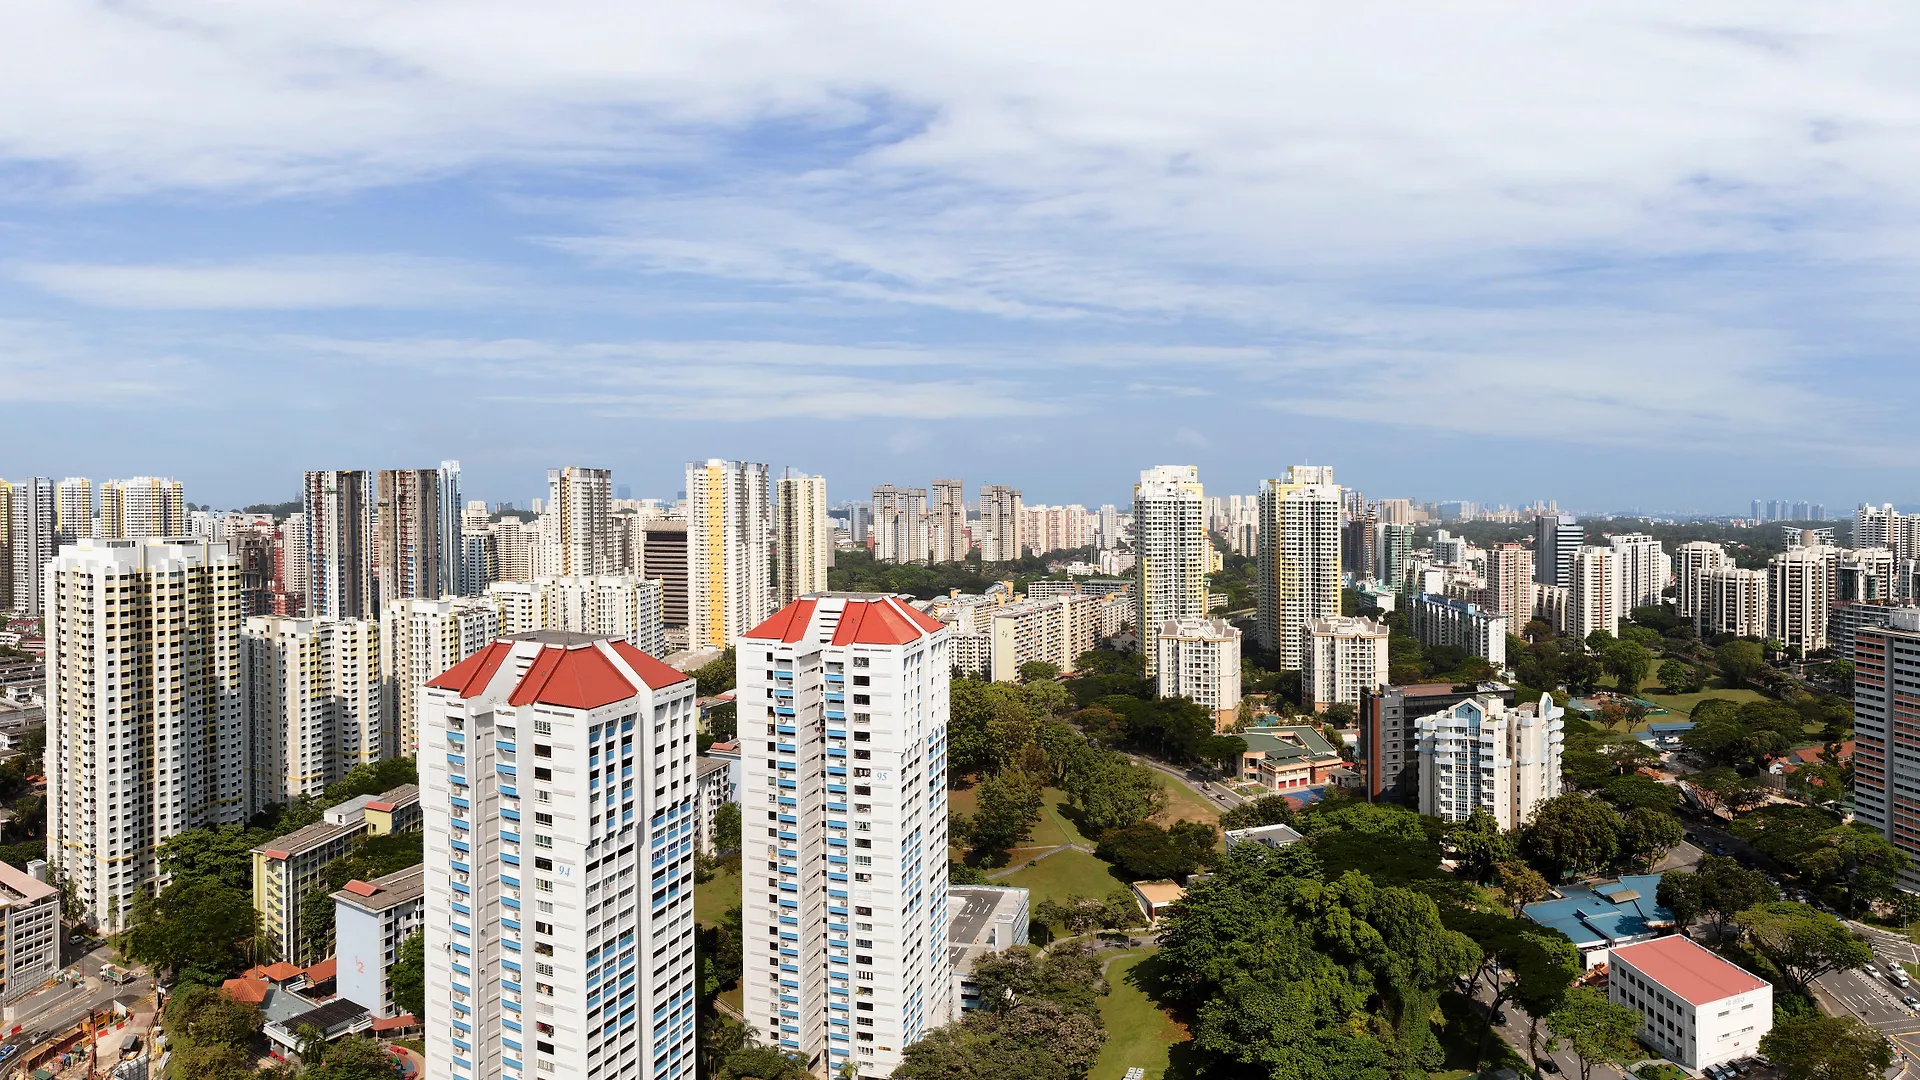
[[1058, 876], [1051, 831], [1681, 705], [1183, 803], [1139, 1035], [714, 897]]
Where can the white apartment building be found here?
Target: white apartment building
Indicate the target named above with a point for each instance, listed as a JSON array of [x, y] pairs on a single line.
[[729, 556], [30, 914], [1001, 513], [370, 921], [73, 508], [419, 639], [1299, 559], [1732, 601], [1692, 562], [1593, 592], [293, 554], [452, 550], [559, 900], [608, 605], [1643, 569], [1053, 629], [516, 546], [1480, 753], [339, 515], [946, 524], [1199, 659], [1700, 1010], [713, 787], [844, 825], [803, 541], [32, 539], [1170, 538], [900, 524], [1345, 655], [576, 530], [1799, 584], [1439, 620], [315, 702], [146, 717], [141, 507]]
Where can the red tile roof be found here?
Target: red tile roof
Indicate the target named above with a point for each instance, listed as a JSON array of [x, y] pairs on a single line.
[[361, 888], [394, 1023], [877, 622], [322, 971], [654, 673], [1687, 969], [380, 807], [276, 853], [281, 971], [787, 624], [253, 991], [471, 676]]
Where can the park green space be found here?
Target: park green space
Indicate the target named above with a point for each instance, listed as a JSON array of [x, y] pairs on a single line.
[[1139, 1033], [714, 896], [1063, 874]]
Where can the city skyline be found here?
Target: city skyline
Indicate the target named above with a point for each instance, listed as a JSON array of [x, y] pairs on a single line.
[[1428, 258]]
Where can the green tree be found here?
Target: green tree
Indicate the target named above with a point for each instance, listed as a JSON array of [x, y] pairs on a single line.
[[1803, 943], [408, 976], [1038, 671], [1740, 661], [1479, 845], [221, 852], [354, 1057], [1009, 809], [1814, 1047], [726, 827], [1572, 834], [1039, 1019], [1112, 792], [716, 676], [196, 927], [1628, 664], [1147, 851], [1646, 835], [1521, 883], [1266, 810], [1596, 1030], [1674, 676], [1640, 792]]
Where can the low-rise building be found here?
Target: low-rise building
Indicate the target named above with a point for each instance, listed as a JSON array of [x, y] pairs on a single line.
[[1606, 916], [1054, 629], [987, 920], [287, 867], [713, 788], [1273, 836], [1156, 898], [1283, 759], [31, 910], [370, 921], [1199, 659], [1439, 620], [1345, 656], [1700, 1010]]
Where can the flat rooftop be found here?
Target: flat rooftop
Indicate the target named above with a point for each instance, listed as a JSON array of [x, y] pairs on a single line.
[[388, 891], [1605, 914], [1688, 970]]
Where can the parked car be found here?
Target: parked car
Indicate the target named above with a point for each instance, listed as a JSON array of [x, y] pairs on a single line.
[[1548, 1065], [7, 1052]]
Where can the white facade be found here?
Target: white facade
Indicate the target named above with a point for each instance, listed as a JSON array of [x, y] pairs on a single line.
[[1299, 559], [576, 531], [805, 543], [1056, 630], [315, 702], [1556, 537], [370, 921], [141, 507], [419, 639], [1700, 1010], [1482, 754], [1798, 593], [1692, 562], [844, 825], [729, 541], [1345, 655], [1000, 515], [1732, 601], [146, 722], [339, 510], [607, 605], [30, 912], [1199, 659], [1643, 569], [73, 508], [557, 790], [32, 538], [1170, 538], [899, 524], [1438, 620], [1593, 592]]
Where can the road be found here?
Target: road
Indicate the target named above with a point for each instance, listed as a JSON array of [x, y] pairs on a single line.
[[58, 1008], [1211, 789], [1514, 1031], [1868, 996]]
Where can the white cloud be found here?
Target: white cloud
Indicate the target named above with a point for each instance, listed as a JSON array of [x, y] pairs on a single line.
[[276, 283], [45, 364]]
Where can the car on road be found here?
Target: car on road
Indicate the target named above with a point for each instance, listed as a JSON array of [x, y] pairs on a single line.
[[1548, 1065], [1719, 849], [7, 1052], [1910, 1002]]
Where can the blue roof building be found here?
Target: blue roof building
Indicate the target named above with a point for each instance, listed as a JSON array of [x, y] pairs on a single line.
[[1604, 915]]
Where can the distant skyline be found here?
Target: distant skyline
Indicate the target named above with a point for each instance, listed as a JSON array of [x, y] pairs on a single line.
[[1622, 255]]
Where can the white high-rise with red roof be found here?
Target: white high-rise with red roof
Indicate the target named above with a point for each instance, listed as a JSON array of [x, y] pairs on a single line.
[[843, 745], [557, 786]]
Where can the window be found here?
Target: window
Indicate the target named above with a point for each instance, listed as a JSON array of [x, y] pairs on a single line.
[[542, 840], [542, 819], [861, 661], [543, 727], [542, 750]]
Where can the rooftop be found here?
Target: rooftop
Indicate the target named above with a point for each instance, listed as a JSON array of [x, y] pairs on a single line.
[[1688, 970], [1159, 892], [977, 911], [569, 670], [861, 619], [386, 892], [707, 765], [17, 883], [1288, 741], [1607, 914]]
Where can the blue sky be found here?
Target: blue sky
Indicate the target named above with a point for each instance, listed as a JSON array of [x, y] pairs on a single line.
[[1610, 254]]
